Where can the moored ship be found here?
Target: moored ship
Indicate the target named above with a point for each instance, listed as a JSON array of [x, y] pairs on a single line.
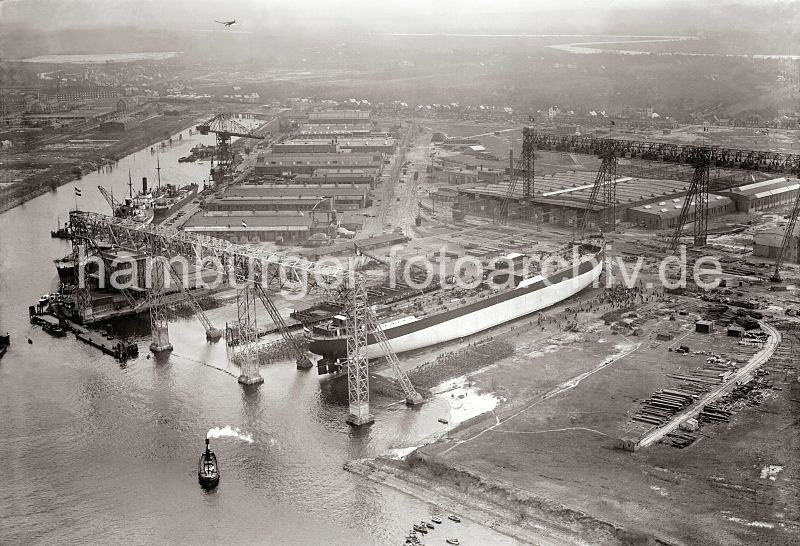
[[445, 315], [170, 199]]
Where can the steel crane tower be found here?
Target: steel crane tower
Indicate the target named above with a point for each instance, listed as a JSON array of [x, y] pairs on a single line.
[[605, 185], [697, 202], [251, 267], [787, 237], [225, 127], [522, 171]]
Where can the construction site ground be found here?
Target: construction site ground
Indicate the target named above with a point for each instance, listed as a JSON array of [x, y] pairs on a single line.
[[569, 391]]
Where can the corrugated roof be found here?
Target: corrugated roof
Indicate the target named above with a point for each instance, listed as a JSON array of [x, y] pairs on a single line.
[[766, 185], [579, 188], [233, 221], [776, 191], [673, 208], [278, 190]]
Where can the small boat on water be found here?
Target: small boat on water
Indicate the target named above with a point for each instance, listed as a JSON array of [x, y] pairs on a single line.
[[453, 541], [61, 232], [54, 330], [420, 529], [5, 341], [429, 524], [208, 469], [453, 517], [436, 519]]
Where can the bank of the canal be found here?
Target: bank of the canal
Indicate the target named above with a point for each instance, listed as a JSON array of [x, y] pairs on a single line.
[[95, 451]]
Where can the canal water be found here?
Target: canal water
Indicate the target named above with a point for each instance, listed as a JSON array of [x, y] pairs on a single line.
[[95, 451]]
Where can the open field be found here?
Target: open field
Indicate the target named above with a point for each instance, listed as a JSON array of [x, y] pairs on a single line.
[[57, 159], [545, 465]]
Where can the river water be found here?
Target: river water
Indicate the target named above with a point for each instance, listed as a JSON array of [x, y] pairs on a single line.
[[96, 451]]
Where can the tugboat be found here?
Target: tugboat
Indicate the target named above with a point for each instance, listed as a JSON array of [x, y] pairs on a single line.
[[207, 469], [61, 232]]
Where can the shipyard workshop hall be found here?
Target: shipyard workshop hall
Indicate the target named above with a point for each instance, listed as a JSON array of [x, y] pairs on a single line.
[[313, 184], [650, 203]]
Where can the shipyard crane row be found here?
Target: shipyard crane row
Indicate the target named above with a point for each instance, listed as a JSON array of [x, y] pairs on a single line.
[[701, 158], [252, 269]]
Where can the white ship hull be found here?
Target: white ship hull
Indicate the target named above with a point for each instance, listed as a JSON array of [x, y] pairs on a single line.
[[412, 333]]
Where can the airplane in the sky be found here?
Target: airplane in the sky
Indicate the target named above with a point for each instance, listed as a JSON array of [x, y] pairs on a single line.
[[226, 23]]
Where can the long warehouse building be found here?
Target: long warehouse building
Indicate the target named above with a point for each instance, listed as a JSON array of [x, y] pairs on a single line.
[[766, 194], [284, 196], [268, 163]]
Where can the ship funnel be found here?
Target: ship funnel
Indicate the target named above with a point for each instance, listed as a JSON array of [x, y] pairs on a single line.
[[144, 185]]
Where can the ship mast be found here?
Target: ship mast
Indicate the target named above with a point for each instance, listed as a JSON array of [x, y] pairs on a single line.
[[130, 184], [158, 170]]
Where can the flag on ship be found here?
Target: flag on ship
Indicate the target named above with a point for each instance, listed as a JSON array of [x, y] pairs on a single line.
[[77, 192], [244, 224]]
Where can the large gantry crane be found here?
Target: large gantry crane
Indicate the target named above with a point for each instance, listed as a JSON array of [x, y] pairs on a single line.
[[701, 158], [225, 127], [248, 270], [521, 172], [787, 237]]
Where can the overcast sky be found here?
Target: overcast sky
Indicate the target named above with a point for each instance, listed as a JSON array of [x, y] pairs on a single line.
[[252, 14], [351, 18]]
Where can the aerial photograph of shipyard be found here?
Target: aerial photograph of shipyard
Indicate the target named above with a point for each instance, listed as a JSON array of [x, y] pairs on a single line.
[[353, 272]]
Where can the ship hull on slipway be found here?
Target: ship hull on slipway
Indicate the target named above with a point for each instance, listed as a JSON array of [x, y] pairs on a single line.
[[532, 295]]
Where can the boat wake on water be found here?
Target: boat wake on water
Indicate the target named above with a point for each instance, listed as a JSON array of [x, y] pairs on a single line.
[[206, 364]]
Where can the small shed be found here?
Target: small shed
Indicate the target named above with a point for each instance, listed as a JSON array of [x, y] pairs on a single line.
[[690, 425], [735, 331], [704, 326], [628, 444]]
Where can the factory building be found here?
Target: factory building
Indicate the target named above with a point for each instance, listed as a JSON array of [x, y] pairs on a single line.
[[262, 197], [766, 244], [766, 194], [339, 176], [84, 115], [334, 145], [268, 163], [664, 214], [459, 143], [271, 203], [348, 117], [458, 176], [252, 227], [343, 130], [305, 146], [118, 125], [564, 197], [381, 145]]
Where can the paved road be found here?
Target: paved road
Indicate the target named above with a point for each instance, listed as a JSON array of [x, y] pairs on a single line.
[[384, 195], [754, 363], [403, 211]]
